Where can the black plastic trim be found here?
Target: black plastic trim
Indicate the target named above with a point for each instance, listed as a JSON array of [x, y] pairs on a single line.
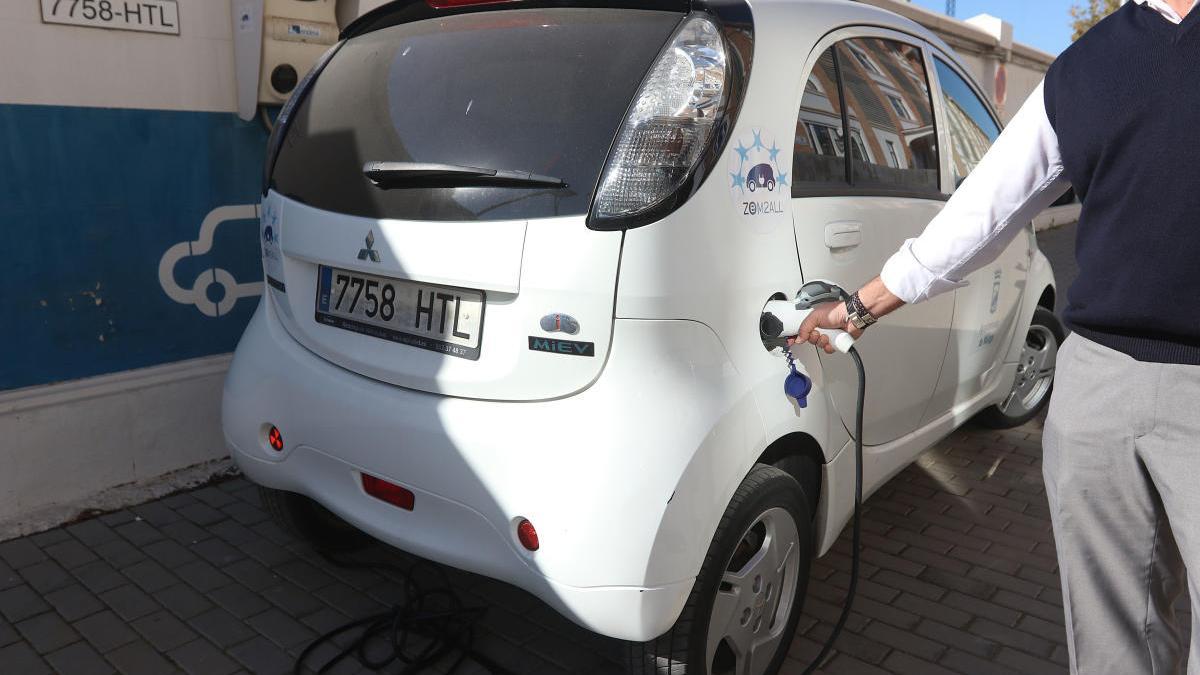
[[736, 23], [852, 191]]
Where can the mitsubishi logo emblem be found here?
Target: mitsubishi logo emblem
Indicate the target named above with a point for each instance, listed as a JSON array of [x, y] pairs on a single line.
[[369, 253]]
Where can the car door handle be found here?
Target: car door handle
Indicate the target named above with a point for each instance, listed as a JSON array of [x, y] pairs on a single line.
[[843, 234]]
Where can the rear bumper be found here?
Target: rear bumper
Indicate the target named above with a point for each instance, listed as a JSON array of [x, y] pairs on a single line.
[[596, 473]]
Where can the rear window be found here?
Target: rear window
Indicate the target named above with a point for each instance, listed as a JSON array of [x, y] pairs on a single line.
[[539, 90]]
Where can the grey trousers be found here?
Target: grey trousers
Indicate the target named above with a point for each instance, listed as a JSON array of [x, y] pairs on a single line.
[[1122, 467]]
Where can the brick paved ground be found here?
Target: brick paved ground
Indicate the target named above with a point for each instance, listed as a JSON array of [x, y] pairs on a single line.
[[958, 577], [959, 574]]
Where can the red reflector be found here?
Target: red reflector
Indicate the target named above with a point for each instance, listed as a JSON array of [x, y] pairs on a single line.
[[443, 4], [275, 439], [527, 535], [388, 492]]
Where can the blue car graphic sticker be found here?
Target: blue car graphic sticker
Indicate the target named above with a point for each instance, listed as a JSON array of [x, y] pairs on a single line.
[[757, 183]]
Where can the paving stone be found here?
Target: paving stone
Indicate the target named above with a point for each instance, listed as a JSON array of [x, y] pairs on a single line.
[[221, 627], [214, 496], [21, 602], [139, 658], [90, 532], [280, 628], [8, 634], [239, 601], [156, 513], [217, 552], [74, 602], [201, 514], [150, 576], [292, 599], [46, 576], [202, 576], [47, 632], [116, 518], [44, 539], [233, 532], [243, 513], [20, 553], [185, 532], [139, 532], [251, 574], [199, 657], [70, 553], [169, 553], [260, 655], [119, 553], [304, 575], [183, 601], [105, 631], [348, 600], [79, 659], [99, 576], [8, 577], [20, 658], [163, 630], [129, 602]]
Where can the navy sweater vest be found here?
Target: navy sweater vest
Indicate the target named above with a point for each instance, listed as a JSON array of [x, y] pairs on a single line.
[[1124, 101]]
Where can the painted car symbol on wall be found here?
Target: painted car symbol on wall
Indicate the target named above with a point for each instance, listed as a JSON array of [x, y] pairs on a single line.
[[197, 295], [761, 175]]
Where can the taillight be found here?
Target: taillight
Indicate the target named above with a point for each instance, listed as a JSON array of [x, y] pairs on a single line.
[[389, 492], [669, 125]]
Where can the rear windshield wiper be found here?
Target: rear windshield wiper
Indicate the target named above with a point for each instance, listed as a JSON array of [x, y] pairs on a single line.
[[388, 175]]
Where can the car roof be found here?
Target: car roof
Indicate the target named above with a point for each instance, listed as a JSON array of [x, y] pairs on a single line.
[[836, 13]]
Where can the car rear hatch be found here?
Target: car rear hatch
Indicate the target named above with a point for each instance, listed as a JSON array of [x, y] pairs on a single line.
[[460, 262]]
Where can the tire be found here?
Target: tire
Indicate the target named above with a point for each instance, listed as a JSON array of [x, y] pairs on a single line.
[[1029, 393], [767, 504], [753, 185], [770, 186], [307, 520]]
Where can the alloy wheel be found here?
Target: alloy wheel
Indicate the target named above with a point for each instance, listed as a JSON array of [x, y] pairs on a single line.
[[755, 597]]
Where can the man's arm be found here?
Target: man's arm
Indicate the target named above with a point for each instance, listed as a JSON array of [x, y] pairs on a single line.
[[1020, 175]]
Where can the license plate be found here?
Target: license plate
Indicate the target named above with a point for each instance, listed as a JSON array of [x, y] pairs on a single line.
[[427, 316]]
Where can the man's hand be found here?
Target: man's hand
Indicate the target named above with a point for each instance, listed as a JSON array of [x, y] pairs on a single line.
[[875, 296], [825, 315]]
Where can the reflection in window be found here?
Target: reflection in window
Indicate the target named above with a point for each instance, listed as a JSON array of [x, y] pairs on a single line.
[[893, 159], [818, 160], [971, 127], [888, 103]]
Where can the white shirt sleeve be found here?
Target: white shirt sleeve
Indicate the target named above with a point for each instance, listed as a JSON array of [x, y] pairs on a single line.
[[1020, 175]]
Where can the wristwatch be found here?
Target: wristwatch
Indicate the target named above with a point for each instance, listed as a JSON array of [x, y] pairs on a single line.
[[857, 313]]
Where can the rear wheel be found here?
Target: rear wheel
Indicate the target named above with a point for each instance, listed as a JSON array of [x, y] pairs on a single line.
[[743, 609], [305, 519], [1035, 375]]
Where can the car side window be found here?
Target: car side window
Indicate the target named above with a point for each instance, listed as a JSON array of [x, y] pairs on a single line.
[[818, 158], [890, 112], [971, 127]]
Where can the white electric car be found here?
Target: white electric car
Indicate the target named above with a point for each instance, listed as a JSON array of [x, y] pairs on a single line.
[[516, 255]]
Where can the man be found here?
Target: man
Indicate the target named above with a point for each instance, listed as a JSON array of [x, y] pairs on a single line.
[[1117, 117]]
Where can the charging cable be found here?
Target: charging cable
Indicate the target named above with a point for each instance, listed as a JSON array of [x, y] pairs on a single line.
[[782, 318]]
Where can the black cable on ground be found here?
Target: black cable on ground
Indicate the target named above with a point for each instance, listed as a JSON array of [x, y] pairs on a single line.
[[856, 532], [435, 613]]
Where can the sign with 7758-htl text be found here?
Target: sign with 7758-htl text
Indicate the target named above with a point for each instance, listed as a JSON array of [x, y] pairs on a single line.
[[155, 16]]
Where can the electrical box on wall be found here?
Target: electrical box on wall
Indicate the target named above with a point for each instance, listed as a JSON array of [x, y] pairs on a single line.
[[294, 35]]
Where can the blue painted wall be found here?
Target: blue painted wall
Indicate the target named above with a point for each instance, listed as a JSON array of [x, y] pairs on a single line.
[[90, 199]]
